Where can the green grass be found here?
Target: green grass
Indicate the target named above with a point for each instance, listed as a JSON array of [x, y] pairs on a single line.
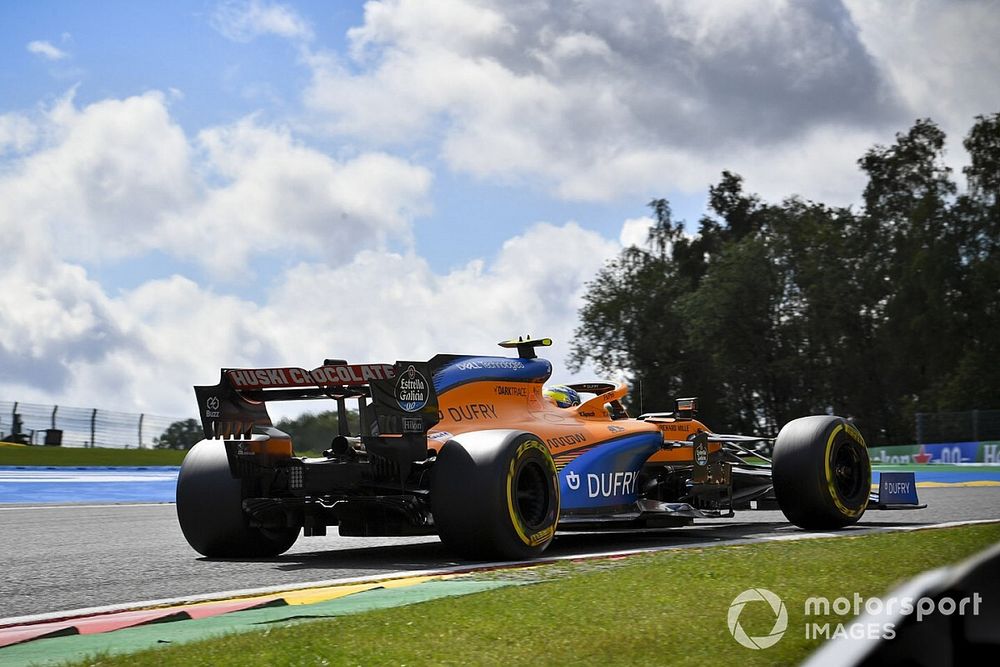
[[20, 455], [37, 455], [652, 609]]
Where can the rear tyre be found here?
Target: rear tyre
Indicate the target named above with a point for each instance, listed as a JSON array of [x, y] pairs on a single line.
[[821, 472], [495, 494], [210, 509]]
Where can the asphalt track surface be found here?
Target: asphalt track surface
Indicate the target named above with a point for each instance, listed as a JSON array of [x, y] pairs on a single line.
[[59, 558]]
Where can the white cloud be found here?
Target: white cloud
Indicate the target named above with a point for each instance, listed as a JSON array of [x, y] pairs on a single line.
[[17, 132], [51, 318], [245, 20], [271, 195], [595, 105], [397, 307], [118, 178], [456, 25], [635, 232], [101, 178], [180, 334], [821, 165], [46, 50], [65, 340], [940, 56]]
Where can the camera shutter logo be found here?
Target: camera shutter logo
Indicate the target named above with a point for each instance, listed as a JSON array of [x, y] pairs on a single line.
[[780, 621]]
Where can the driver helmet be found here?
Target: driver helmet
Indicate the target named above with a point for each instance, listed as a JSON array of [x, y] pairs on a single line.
[[562, 396]]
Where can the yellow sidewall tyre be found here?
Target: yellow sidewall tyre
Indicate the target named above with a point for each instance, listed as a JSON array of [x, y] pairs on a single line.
[[821, 472], [495, 495]]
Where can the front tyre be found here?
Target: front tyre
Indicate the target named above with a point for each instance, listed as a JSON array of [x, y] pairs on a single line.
[[210, 509], [495, 494], [821, 472]]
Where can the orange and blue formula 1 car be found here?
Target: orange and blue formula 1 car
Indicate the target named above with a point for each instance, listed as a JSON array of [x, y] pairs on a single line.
[[476, 450]]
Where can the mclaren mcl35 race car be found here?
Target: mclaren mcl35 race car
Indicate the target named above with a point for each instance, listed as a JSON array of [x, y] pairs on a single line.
[[471, 448]]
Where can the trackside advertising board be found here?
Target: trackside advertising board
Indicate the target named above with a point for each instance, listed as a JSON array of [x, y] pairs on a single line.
[[950, 452]]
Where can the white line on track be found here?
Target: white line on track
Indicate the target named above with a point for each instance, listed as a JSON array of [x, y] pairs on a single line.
[[64, 506], [463, 569], [86, 476]]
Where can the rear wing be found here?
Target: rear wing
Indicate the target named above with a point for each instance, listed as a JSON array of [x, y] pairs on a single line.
[[403, 400]]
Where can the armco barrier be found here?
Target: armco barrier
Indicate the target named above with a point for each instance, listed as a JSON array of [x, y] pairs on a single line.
[[948, 452]]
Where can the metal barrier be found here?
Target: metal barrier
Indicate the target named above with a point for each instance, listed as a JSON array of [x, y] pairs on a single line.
[[80, 427], [968, 426]]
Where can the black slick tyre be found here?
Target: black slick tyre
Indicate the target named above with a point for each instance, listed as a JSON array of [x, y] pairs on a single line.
[[495, 495], [821, 472], [210, 509]]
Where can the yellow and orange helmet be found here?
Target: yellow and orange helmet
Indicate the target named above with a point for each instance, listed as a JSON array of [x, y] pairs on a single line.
[[562, 396]]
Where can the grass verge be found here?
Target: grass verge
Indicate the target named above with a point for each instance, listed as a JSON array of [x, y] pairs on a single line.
[[665, 608], [24, 455], [39, 455]]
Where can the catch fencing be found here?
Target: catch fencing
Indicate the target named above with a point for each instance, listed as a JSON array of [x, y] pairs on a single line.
[[968, 426], [80, 427]]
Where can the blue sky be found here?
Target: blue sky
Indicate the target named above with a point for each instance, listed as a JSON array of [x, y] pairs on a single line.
[[198, 184]]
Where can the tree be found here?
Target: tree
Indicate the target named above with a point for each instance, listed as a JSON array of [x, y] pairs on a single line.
[[628, 320], [314, 432], [728, 323], [978, 214], [774, 311], [183, 434], [632, 318]]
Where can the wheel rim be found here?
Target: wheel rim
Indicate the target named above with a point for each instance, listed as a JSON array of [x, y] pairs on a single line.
[[531, 494], [848, 472]]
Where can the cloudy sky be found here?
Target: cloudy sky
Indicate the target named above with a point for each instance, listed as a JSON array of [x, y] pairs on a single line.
[[197, 184]]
